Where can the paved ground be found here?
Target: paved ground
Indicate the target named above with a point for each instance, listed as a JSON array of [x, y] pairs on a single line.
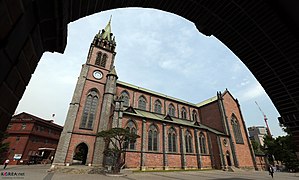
[[39, 172]]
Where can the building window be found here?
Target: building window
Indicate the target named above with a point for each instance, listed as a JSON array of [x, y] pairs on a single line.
[[104, 60], [17, 138], [194, 115], [188, 142], [132, 128], [142, 103], [183, 113], [125, 97], [46, 141], [37, 128], [50, 131], [172, 140], [23, 125], [153, 138], [42, 128], [98, 59], [89, 111], [171, 110], [237, 130], [158, 107], [202, 143]]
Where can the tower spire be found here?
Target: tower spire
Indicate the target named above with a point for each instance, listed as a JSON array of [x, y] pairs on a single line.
[[106, 33], [104, 38]]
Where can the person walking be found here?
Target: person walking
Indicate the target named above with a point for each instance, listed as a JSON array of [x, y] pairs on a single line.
[[271, 170], [6, 163]]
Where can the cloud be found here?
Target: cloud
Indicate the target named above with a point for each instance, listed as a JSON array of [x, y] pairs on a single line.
[[251, 92]]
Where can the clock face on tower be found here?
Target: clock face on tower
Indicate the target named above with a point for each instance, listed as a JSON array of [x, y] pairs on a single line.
[[97, 74]]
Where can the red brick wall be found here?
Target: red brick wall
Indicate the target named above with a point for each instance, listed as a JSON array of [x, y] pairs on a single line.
[[150, 99], [75, 141], [261, 163], [242, 150], [153, 160], [88, 86], [191, 161], [215, 149], [133, 159], [210, 116], [93, 56], [226, 148], [206, 161], [174, 161], [25, 145]]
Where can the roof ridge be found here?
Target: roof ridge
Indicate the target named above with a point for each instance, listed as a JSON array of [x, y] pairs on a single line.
[[154, 92]]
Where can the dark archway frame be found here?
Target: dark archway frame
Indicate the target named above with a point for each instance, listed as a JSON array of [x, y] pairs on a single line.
[[263, 34]]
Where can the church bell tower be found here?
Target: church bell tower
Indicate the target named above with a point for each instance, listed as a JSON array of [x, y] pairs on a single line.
[[90, 108]]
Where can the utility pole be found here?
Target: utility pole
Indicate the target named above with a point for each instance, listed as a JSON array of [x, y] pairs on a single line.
[[265, 119]]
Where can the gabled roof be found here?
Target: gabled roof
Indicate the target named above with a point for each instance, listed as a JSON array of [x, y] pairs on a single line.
[[27, 116], [207, 101], [228, 92], [154, 93], [162, 118]]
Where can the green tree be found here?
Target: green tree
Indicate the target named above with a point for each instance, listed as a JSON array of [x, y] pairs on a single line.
[[4, 147], [281, 149], [117, 140], [256, 147]]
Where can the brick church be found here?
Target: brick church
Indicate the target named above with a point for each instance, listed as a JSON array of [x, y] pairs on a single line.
[[174, 134]]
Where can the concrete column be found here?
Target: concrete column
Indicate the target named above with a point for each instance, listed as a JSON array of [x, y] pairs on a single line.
[[65, 137], [143, 145], [117, 114], [220, 152], [183, 148], [211, 150], [197, 150], [165, 157], [227, 127], [108, 100]]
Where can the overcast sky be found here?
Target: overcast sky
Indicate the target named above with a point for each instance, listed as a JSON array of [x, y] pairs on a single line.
[[156, 50]]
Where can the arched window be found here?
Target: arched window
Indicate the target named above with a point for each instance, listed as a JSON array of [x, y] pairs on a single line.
[[158, 106], [89, 110], [237, 130], [142, 103], [172, 140], [188, 142], [202, 143], [98, 59], [194, 115], [132, 128], [183, 113], [104, 60], [125, 97], [171, 110], [153, 138]]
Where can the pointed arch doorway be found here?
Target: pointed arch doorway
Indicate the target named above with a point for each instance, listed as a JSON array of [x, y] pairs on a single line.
[[80, 154], [229, 163]]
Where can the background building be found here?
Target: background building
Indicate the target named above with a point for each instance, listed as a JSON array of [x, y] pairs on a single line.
[[31, 137], [174, 133], [257, 134]]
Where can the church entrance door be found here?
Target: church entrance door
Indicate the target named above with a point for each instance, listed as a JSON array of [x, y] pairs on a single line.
[[80, 154]]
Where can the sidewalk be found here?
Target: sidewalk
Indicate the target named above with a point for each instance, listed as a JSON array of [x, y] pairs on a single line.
[[40, 172]]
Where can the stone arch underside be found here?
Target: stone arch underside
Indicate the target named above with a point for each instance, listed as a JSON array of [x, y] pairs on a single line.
[[260, 33]]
